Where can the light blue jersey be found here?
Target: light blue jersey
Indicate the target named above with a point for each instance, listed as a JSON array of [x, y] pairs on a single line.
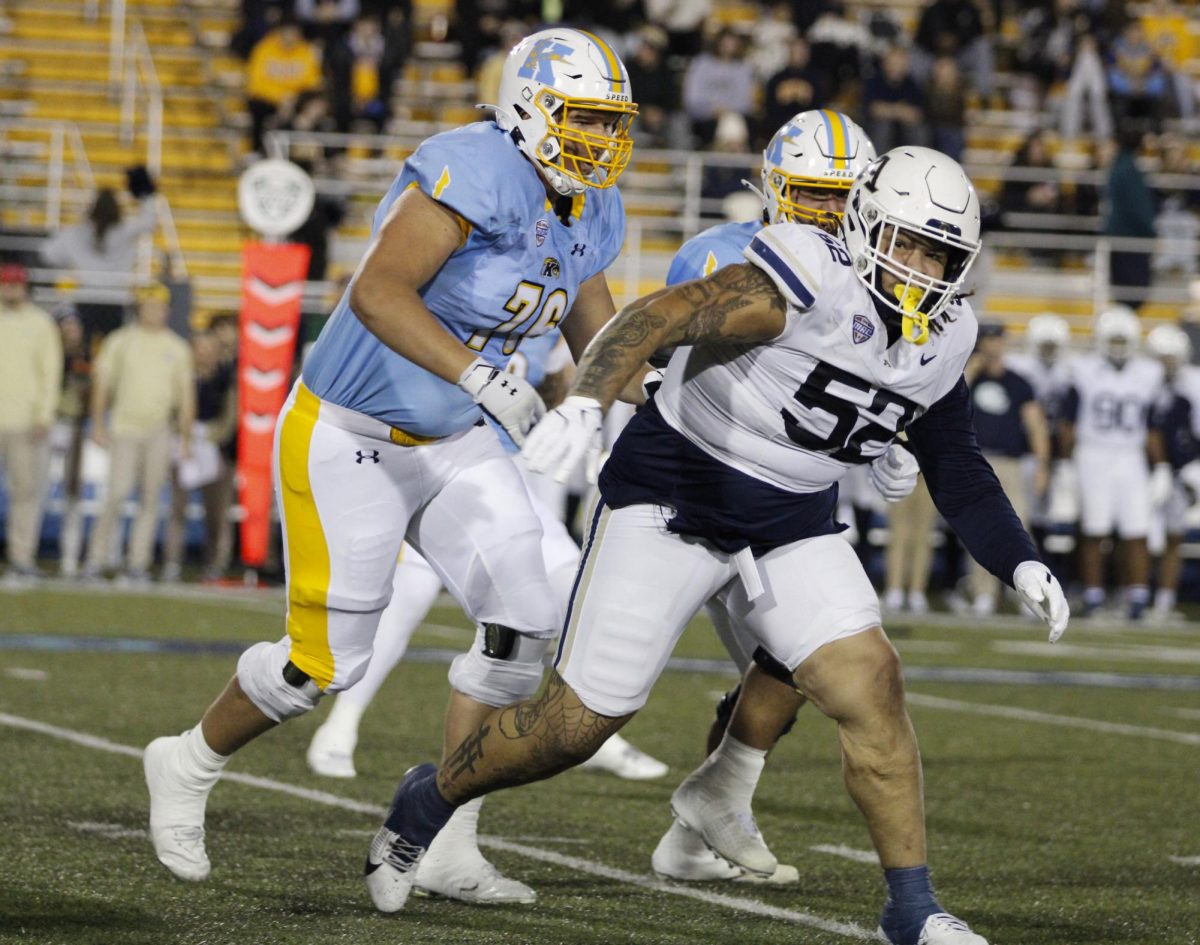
[[715, 248], [516, 276]]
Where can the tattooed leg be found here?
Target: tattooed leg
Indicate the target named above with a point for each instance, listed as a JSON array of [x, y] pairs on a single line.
[[526, 742]]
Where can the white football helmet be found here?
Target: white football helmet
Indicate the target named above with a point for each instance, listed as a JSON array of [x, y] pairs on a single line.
[[548, 79], [1117, 334], [920, 194], [1046, 336], [818, 151], [1169, 341]]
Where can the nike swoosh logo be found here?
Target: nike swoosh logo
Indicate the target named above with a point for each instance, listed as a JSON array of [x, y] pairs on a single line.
[[926, 360]]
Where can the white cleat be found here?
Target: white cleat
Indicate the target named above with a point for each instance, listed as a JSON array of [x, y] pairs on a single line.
[[681, 855], [391, 866], [729, 830], [455, 869], [331, 754], [176, 810], [618, 757], [941, 928]]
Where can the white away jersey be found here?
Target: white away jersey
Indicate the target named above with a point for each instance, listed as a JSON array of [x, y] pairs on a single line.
[[1114, 404], [829, 392], [1047, 381]]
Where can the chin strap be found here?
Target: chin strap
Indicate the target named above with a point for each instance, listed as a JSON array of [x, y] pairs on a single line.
[[914, 324]]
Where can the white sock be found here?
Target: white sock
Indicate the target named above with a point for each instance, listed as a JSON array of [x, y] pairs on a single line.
[[1164, 599], [345, 714], [198, 759], [735, 767]]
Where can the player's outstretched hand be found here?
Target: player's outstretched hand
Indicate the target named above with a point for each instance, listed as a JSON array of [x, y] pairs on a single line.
[[1042, 594], [1162, 484], [894, 474], [571, 431], [509, 400]]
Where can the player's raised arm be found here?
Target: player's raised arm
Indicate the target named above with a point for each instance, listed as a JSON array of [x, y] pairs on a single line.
[[736, 304]]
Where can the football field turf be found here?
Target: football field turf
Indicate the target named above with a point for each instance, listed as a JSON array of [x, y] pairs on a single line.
[[1062, 784]]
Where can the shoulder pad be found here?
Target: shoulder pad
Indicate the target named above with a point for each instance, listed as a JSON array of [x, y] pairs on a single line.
[[795, 257]]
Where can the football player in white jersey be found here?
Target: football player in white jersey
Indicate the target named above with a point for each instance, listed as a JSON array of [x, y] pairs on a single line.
[[1106, 431], [809, 358], [491, 232], [808, 167], [1178, 417]]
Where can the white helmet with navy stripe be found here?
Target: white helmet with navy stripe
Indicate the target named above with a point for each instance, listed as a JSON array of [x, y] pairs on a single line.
[[912, 194], [817, 152], [548, 82], [1169, 341]]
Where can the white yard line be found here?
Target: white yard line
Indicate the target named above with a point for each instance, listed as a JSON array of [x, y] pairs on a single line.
[[108, 831], [27, 675], [592, 868], [1152, 654], [1182, 713], [848, 853], [1048, 718], [1185, 860]]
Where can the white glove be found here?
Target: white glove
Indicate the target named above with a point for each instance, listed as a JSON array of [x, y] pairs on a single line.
[[572, 431], [509, 400], [1162, 484], [652, 382], [1189, 477], [1041, 593], [894, 474], [1063, 503]]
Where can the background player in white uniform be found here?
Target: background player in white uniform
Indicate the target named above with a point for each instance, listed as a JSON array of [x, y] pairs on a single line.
[[808, 167], [1178, 417], [1106, 431], [490, 233], [811, 358]]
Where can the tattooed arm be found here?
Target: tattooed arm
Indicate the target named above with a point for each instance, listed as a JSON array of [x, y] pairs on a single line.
[[735, 304]]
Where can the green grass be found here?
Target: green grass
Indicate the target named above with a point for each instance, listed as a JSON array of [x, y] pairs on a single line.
[[1039, 834]]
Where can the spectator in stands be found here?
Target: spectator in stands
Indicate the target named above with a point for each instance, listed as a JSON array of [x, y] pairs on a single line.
[[946, 107], [308, 112], [657, 90], [325, 21], [1131, 212], [1011, 428], [142, 384], [684, 22], [30, 376], [478, 25], [716, 82], [72, 415], [797, 87], [909, 551], [215, 430], [356, 87], [281, 66], [224, 327], [719, 181], [1086, 82], [487, 76], [101, 253], [1178, 220], [1020, 195], [773, 32], [841, 46], [1139, 84], [957, 28], [894, 104]]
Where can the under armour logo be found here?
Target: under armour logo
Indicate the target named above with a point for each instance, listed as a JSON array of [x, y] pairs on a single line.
[[578, 249], [506, 385], [373, 456]]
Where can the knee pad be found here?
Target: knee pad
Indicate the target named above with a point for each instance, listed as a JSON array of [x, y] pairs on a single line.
[[273, 683], [503, 666]]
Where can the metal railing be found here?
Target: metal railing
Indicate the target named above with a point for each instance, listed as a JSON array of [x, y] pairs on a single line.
[[52, 159]]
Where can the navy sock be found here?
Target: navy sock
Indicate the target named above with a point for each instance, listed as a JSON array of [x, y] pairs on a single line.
[[910, 902], [419, 810]]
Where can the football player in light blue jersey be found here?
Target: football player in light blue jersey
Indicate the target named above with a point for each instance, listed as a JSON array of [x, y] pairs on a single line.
[[544, 363], [491, 233]]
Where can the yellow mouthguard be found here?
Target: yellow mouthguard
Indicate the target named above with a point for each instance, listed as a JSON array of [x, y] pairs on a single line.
[[914, 324]]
